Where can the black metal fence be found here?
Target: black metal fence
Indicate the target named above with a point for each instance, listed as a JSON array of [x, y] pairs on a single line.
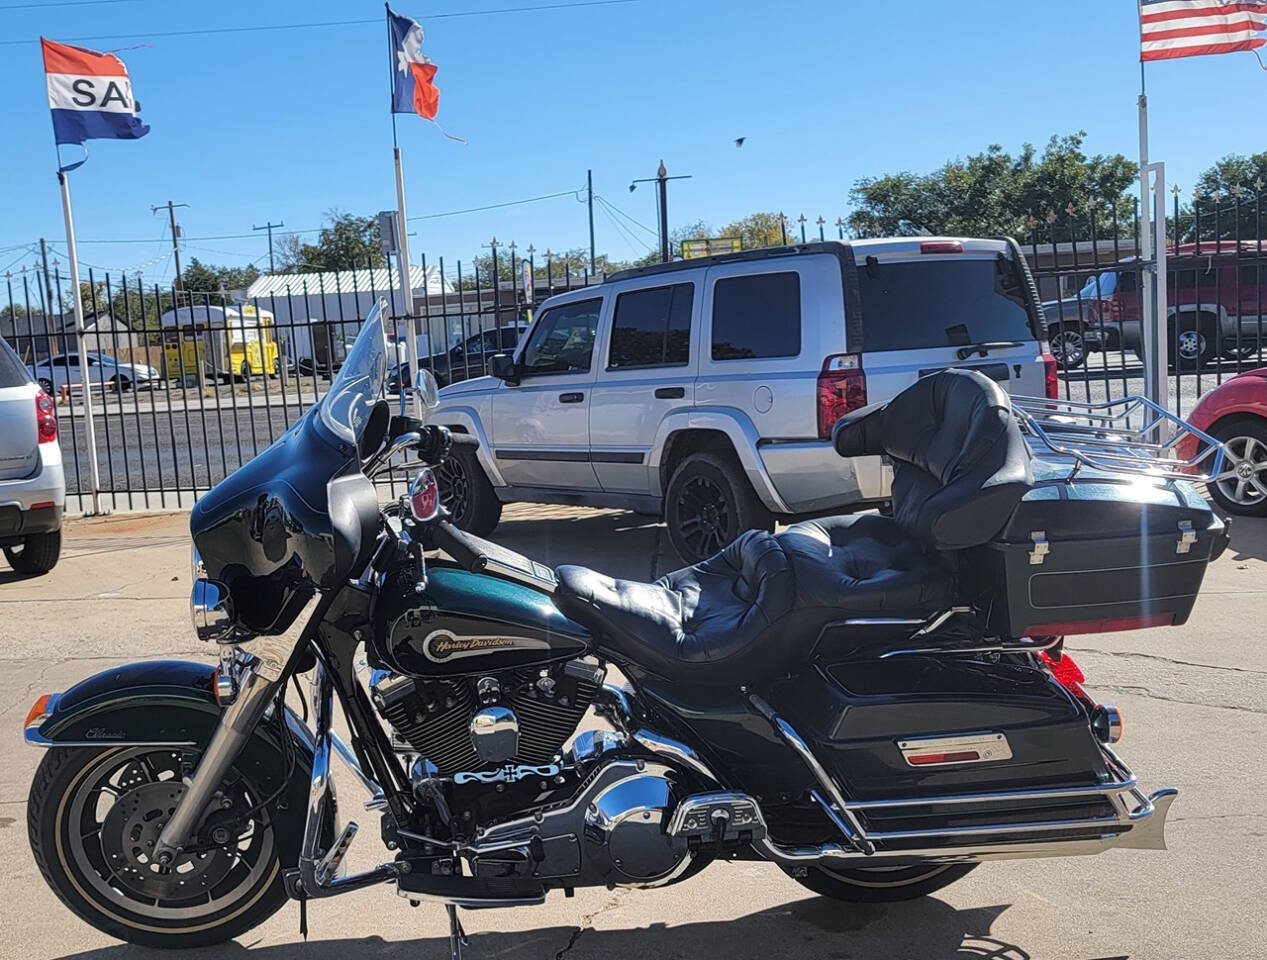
[[187, 386]]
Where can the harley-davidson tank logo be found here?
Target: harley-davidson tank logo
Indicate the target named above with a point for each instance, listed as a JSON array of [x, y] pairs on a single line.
[[440, 645]]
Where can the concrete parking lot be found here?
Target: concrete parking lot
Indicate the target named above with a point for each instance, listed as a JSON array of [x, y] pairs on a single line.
[[1194, 700]]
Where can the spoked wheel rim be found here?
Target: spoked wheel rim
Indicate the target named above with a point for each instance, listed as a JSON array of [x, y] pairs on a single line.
[[1244, 480], [112, 816], [455, 488], [705, 516], [1068, 348]]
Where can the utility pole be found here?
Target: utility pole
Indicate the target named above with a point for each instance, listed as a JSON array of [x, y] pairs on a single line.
[[589, 186], [269, 227], [783, 228], [171, 218], [661, 180], [48, 284]]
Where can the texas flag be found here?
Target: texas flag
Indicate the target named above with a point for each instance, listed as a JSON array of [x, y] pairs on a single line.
[[90, 95], [413, 90]]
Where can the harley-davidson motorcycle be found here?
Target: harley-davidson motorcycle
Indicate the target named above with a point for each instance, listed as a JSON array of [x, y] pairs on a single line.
[[874, 704]]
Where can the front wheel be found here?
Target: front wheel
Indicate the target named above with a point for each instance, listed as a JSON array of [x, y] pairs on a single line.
[[883, 884], [1242, 486], [467, 494], [93, 816]]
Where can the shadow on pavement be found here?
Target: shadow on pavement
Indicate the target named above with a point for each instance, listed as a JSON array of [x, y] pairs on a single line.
[[926, 929], [1249, 538]]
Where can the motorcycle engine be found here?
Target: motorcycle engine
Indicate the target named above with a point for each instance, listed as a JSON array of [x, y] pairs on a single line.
[[474, 723]]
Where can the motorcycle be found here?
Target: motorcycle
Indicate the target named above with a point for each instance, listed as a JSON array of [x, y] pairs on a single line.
[[875, 704]]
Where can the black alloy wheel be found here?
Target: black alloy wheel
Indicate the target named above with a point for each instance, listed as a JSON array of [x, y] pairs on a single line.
[[466, 494], [709, 502], [1068, 346]]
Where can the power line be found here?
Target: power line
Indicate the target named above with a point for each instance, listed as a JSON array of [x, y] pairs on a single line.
[[317, 24], [617, 209], [495, 206], [60, 3]]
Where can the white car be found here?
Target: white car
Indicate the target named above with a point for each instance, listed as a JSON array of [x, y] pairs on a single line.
[[32, 484], [103, 369]]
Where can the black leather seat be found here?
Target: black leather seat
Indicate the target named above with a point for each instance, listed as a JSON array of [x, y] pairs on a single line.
[[754, 609]]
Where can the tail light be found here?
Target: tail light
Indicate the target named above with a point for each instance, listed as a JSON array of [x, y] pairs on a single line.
[[45, 417], [1051, 382], [1067, 673], [842, 387], [1106, 719], [941, 246], [1115, 310]]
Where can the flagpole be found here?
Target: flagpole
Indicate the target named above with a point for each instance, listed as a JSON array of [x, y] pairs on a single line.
[[1152, 326], [89, 426], [402, 224]]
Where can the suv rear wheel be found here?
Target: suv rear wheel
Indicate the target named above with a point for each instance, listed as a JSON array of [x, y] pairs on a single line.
[[37, 553], [467, 494], [1196, 343], [709, 502]]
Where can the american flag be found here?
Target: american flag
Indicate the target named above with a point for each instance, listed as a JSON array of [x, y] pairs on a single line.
[[1192, 28]]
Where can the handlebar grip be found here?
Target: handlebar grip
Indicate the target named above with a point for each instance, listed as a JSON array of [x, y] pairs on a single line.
[[464, 440], [460, 545]]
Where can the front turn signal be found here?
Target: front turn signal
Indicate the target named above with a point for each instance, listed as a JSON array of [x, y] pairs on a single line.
[[38, 711]]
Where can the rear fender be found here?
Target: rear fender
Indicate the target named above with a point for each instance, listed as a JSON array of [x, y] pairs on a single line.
[[172, 703]]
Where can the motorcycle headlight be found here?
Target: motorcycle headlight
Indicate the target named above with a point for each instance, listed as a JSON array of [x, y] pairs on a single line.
[[210, 608]]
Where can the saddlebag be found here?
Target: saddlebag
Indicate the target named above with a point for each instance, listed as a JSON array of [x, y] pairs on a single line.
[[1096, 553]]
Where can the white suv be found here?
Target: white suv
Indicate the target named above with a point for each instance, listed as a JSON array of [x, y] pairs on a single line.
[[32, 485], [705, 391]]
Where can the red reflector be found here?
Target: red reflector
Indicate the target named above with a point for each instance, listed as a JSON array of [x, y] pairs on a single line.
[[45, 417], [923, 759], [44, 505], [1101, 626], [1051, 381], [842, 388], [941, 246]]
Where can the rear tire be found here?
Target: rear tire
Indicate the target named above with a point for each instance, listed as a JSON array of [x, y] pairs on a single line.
[[879, 885], [467, 494], [240, 895], [1195, 345], [709, 502], [37, 554]]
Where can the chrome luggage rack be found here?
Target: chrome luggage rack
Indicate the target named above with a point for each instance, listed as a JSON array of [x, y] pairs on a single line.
[[1127, 435]]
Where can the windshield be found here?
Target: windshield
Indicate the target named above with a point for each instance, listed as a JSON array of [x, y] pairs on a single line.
[[359, 385]]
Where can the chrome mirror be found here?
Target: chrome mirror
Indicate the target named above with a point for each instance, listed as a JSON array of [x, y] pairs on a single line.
[[428, 389]]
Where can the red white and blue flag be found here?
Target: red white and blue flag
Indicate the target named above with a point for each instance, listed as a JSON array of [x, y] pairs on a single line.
[[413, 75], [90, 95], [1169, 29]]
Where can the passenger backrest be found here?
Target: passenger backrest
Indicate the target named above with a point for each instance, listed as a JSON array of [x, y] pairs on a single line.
[[960, 463]]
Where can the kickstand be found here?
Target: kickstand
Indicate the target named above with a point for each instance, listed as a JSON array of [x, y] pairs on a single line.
[[457, 936]]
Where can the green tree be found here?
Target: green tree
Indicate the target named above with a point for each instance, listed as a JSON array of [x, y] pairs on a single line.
[[210, 279], [1228, 196], [346, 242], [757, 230], [994, 192]]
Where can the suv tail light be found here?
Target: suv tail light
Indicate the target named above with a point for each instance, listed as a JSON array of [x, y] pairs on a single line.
[[941, 246], [1115, 309], [842, 387], [45, 417], [1051, 381]]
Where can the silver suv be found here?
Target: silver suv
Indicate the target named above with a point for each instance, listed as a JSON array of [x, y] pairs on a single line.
[[32, 485], [704, 391]]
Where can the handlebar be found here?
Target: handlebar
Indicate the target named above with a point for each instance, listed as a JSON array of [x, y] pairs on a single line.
[[463, 547]]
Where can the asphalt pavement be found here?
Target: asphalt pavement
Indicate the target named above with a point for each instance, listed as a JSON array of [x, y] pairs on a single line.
[[1194, 700]]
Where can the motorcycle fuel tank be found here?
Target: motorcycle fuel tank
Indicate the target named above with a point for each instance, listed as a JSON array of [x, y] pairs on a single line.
[[463, 623]]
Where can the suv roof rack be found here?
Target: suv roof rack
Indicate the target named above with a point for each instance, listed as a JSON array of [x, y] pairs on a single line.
[[762, 253]]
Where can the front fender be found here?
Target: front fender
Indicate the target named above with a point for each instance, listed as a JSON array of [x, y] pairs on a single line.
[[469, 419], [171, 703]]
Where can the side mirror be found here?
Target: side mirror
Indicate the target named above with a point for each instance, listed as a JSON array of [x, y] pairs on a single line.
[[502, 366], [428, 389]]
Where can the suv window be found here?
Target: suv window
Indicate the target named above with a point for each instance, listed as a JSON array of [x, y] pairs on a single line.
[[936, 303], [12, 371], [652, 328], [757, 316], [562, 340]]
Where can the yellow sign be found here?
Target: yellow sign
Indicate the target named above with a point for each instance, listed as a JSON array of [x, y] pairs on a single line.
[[710, 246]]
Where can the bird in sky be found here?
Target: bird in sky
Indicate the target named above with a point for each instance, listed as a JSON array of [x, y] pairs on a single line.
[[739, 141]]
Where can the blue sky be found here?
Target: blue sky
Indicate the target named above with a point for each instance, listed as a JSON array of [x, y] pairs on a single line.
[[248, 127]]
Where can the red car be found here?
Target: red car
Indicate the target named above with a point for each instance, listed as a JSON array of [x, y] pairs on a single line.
[[1236, 413]]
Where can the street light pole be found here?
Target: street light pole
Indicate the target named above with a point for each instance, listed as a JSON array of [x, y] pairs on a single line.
[[783, 228], [661, 179]]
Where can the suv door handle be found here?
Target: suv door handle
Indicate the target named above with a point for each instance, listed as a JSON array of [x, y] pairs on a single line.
[[670, 393], [571, 397]]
